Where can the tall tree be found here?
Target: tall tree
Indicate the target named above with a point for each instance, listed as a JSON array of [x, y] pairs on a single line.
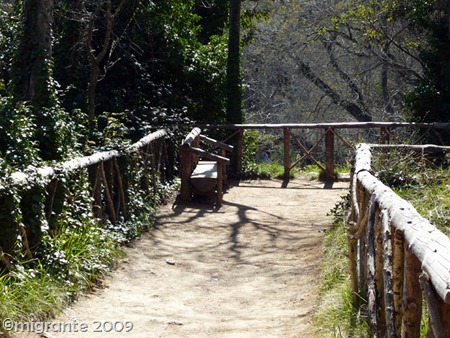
[[430, 100], [234, 92], [101, 48], [331, 61], [33, 61]]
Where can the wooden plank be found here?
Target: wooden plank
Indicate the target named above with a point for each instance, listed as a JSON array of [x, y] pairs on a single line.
[[216, 143], [209, 156], [205, 169], [205, 176]]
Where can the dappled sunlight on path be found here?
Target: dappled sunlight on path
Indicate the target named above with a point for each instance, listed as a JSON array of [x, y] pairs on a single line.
[[250, 268]]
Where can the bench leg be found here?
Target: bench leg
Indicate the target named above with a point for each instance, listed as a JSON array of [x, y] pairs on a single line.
[[219, 183]]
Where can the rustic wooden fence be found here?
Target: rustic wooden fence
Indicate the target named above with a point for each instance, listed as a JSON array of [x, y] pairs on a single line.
[[110, 174], [397, 258], [330, 132]]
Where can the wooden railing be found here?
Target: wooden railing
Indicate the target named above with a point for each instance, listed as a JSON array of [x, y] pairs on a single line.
[[331, 131], [110, 174], [395, 257]]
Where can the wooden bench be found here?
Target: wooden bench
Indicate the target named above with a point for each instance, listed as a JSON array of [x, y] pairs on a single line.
[[202, 172]]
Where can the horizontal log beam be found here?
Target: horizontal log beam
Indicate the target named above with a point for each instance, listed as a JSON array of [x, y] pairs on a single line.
[[337, 125], [210, 156], [161, 133], [425, 147], [216, 143], [21, 179]]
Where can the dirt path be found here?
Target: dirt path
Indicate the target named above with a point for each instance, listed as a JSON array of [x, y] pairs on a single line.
[[249, 269]]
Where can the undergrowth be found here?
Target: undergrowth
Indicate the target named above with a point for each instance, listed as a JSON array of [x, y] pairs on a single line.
[[336, 316], [419, 181], [423, 183]]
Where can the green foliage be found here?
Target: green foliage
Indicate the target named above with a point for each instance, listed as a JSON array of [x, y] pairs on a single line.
[[430, 100], [336, 315], [417, 179], [19, 145]]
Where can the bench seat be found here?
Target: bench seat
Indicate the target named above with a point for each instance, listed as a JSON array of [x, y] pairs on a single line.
[[204, 176]]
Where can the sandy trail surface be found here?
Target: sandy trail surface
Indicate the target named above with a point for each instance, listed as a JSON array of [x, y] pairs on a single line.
[[248, 269]]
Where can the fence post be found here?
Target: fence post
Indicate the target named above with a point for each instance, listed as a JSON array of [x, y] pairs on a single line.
[[384, 135], [287, 152], [185, 173], [398, 267], [329, 153], [412, 295], [445, 316], [240, 143]]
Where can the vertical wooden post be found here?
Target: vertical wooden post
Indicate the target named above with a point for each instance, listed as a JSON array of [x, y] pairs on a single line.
[[287, 152], [435, 327], [352, 245], [362, 247], [240, 143], [219, 182], [121, 189], [391, 331], [445, 317], [384, 135], [94, 177], [153, 165], [412, 295], [398, 254], [4, 260], [143, 153], [108, 195], [329, 153], [379, 266], [185, 173], [372, 297]]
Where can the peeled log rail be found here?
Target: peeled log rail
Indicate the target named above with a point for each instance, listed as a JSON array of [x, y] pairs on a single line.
[[22, 178], [105, 178], [417, 246]]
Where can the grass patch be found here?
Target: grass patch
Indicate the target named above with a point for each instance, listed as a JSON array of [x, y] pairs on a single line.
[[336, 316], [429, 193]]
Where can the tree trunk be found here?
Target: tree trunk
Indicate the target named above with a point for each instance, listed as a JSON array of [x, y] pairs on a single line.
[[234, 93], [97, 56], [34, 55], [357, 112]]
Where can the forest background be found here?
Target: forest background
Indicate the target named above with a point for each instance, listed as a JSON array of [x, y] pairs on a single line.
[[77, 76]]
